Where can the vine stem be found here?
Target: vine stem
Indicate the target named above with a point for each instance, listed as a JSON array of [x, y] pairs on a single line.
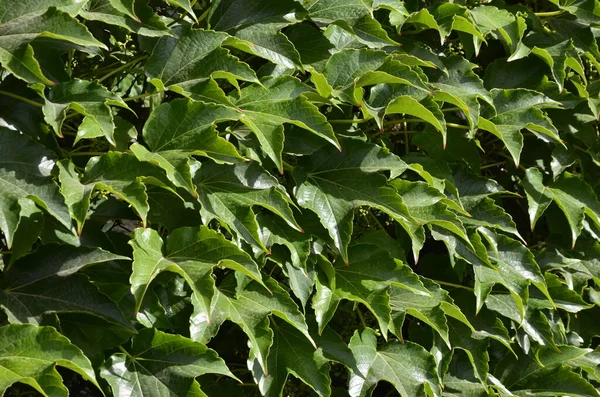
[[87, 153], [453, 109], [459, 126], [453, 285], [483, 167], [20, 98], [360, 317], [353, 121], [135, 98], [122, 67], [125, 352], [549, 13]]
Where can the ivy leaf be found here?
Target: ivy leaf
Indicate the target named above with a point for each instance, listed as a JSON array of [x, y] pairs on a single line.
[[586, 11], [16, 34], [428, 206], [256, 24], [533, 322], [355, 16], [517, 109], [460, 86], [515, 269], [487, 214], [562, 296], [348, 70], [185, 4], [409, 367], [117, 173], [77, 195], [179, 129], [13, 11], [367, 279], [576, 357], [386, 99], [88, 99], [191, 253], [553, 51], [161, 364], [492, 20], [327, 185], [451, 16], [229, 192], [47, 282], [526, 377], [431, 309], [149, 24], [31, 223], [250, 308], [127, 7], [184, 64], [25, 168], [572, 195], [274, 230], [30, 354], [292, 353], [265, 109]]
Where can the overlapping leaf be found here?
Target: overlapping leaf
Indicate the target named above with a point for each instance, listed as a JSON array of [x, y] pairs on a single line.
[[161, 364], [191, 253], [47, 282], [30, 354]]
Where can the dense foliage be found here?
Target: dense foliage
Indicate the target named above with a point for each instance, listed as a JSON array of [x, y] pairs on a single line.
[[202, 198]]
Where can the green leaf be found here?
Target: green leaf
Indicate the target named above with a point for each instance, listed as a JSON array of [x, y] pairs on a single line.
[[125, 6], [30, 354], [571, 194], [182, 128], [183, 64], [86, 98], [265, 109], [428, 206], [501, 23], [118, 173], [553, 51], [16, 53], [229, 193], [256, 24], [408, 366], [533, 322], [161, 364], [191, 253], [31, 223], [518, 109], [149, 24], [431, 309], [355, 16], [47, 282], [460, 86], [327, 186], [250, 308], [487, 214], [292, 353], [367, 279], [25, 168], [77, 195], [515, 268], [526, 377]]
